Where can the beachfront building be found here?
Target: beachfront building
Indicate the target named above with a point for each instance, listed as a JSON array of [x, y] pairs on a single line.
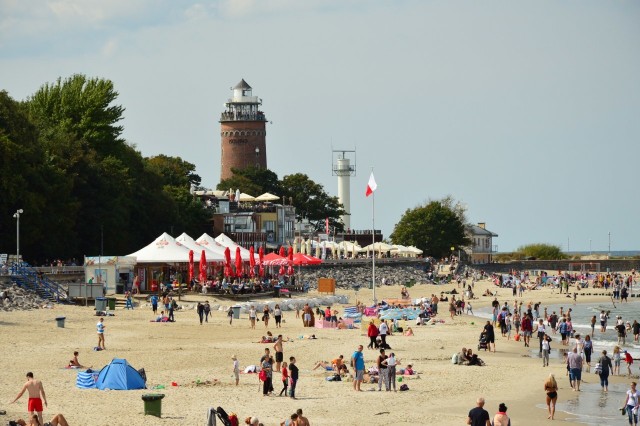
[[242, 132], [252, 222], [481, 249]]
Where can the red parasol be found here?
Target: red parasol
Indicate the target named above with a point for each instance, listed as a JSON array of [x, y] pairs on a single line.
[[238, 262], [252, 262], [203, 267], [227, 262], [190, 266], [290, 270], [281, 271], [261, 256], [281, 252]]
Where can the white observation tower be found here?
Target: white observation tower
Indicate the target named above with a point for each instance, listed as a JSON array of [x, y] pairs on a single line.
[[343, 168]]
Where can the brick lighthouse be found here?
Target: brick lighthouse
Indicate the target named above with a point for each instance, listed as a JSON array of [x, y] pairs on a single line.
[[243, 132]]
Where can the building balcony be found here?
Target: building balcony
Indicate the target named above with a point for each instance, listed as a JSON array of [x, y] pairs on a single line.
[[482, 250], [236, 116]]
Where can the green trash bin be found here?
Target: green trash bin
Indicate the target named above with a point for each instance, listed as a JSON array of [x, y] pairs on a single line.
[[101, 304], [60, 321], [153, 404], [112, 303], [236, 312]]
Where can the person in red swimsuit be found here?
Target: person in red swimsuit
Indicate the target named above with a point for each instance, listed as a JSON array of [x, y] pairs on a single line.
[[36, 390]]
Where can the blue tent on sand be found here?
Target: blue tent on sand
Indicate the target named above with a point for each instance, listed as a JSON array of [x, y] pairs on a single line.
[[119, 375]]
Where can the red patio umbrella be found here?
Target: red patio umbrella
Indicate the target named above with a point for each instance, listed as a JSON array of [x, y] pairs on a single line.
[[252, 262], [281, 253], [281, 271], [238, 262], [290, 270], [261, 256], [190, 266], [203, 267], [227, 263]]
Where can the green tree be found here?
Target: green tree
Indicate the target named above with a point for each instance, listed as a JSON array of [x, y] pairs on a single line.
[[252, 180], [312, 202], [540, 251], [434, 227], [177, 177]]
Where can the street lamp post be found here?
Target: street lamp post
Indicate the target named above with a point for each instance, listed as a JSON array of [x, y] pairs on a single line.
[[609, 246], [17, 216]]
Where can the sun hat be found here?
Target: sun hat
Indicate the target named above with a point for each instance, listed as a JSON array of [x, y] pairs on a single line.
[[233, 358]]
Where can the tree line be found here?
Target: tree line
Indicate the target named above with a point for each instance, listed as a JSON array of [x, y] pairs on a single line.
[[83, 188]]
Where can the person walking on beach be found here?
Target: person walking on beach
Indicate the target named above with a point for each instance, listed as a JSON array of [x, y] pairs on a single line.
[[200, 310], [587, 350], [277, 316], [527, 328], [603, 322], [629, 360], [154, 304], [616, 360], [306, 315], [546, 349], [372, 333], [391, 370], [207, 311], [266, 366], [541, 332], [252, 316], [478, 416], [357, 363], [574, 361], [236, 369], [490, 336], [36, 391], [293, 373], [265, 316], [501, 418], [632, 404], [551, 389], [605, 369], [383, 330], [230, 315], [100, 328]]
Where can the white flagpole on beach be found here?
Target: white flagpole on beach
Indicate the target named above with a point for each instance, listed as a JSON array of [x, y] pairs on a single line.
[[371, 189], [373, 238]]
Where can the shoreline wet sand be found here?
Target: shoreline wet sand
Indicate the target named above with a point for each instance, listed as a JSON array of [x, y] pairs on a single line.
[[185, 352]]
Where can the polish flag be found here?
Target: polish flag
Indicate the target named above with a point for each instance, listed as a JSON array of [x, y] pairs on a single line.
[[371, 186]]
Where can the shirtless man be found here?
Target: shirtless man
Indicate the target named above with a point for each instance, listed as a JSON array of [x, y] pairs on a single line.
[[306, 315], [35, 391], [302, 421], [279, 352]]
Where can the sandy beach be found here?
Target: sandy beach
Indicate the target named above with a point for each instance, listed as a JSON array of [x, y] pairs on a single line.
[[185, 352]]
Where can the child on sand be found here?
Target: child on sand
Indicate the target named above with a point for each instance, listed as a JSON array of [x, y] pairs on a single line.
[[236, 369]]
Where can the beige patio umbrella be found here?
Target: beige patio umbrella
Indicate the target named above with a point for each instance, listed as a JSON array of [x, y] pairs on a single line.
[[308, 244], [246, 197], [267, 197]]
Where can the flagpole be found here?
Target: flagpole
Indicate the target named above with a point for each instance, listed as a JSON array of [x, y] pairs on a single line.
[[373, 237]]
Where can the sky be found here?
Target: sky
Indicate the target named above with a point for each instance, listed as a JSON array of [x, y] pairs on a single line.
[[527, 112]]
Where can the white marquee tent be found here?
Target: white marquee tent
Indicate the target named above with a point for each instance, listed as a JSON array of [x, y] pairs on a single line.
[[164, 249]]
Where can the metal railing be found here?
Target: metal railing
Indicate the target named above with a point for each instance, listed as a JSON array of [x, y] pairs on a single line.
[[27, 277]]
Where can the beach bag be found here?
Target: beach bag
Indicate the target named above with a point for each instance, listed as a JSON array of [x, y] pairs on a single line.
[[262, 376], [404, 387], [598, 369]]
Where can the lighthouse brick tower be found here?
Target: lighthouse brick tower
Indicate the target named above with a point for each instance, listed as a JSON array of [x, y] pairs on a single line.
[[243, 132]]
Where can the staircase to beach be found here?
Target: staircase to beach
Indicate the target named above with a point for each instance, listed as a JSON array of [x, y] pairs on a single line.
[[28, 278]]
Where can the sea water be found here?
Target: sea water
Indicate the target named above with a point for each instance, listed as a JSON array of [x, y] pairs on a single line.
[[590, 406]]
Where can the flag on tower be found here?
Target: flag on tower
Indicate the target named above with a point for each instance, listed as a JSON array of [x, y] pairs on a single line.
[[326, 225], [371, 186]]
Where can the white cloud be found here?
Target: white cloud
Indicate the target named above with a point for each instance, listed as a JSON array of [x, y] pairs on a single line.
[[110, 48]]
